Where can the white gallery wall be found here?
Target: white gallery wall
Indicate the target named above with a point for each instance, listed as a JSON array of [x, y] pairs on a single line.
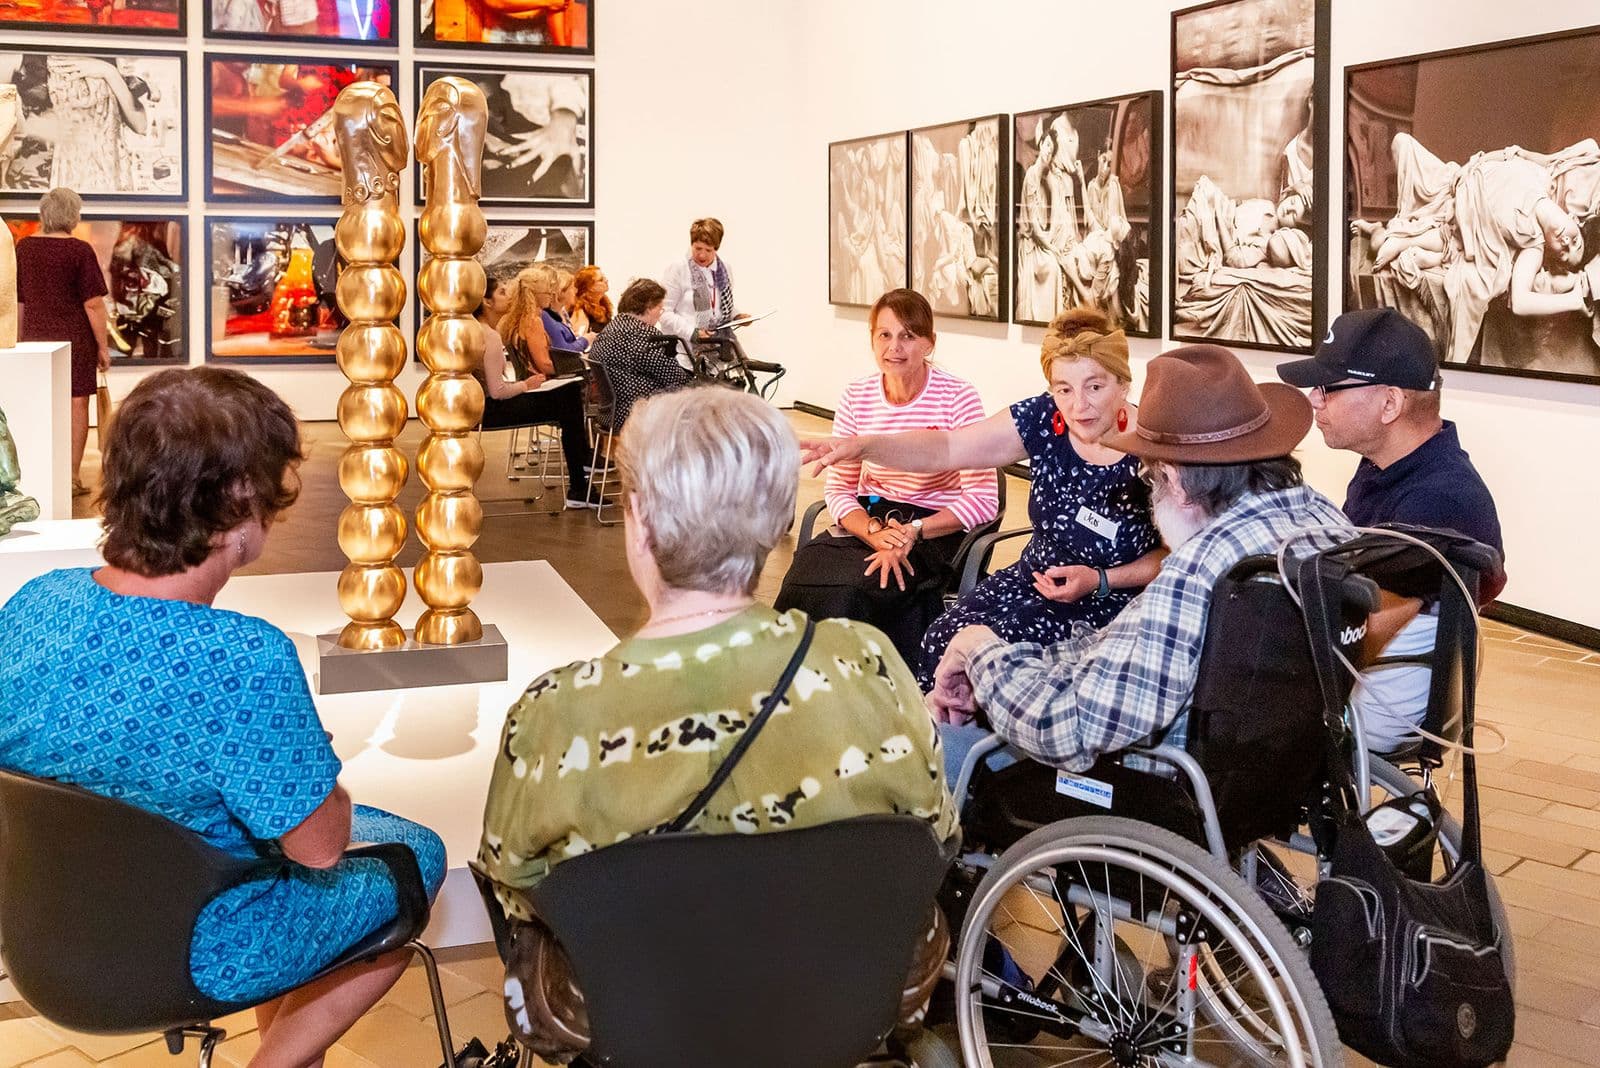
[[726, 107]]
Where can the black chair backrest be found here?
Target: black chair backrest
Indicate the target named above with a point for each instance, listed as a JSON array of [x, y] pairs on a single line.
[[567, 363], [958, 562], [607, 406], [1256, 725], [785, 950], [98, 902]]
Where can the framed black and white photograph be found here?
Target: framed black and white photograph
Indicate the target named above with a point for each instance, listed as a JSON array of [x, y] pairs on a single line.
[[1086, 206], [1476, 214], [867, 193], [957, 239], [271, 125], [153, 17], [513, 244], [109, 125], [313, 21], [525, 26], [270, 284], [143, 258], [1249, 173], [540, 145]]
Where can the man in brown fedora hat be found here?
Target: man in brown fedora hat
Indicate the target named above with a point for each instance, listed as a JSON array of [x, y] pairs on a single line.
[[1216, 448]]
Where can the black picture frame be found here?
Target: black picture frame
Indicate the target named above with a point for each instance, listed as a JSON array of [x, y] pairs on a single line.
[[1144, 204], [496, 191], [422, 39], [586, 225], [1551, 69], [837, 224], [173, 127], [324, 272], [388, 40], [1223, 279], [240, 148], [181, 29], [993, 247]]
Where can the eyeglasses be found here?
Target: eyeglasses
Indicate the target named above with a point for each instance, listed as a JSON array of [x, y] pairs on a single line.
[[1321, 392], [893, 515], [1147, 474]]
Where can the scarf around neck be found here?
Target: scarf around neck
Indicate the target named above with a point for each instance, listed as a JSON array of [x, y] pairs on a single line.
[[706, 317]]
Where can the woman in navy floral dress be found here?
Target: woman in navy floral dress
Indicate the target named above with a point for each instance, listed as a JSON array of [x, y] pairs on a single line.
[[1094, 544]]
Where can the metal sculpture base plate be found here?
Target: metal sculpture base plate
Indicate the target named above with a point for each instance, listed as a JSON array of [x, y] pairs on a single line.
[[341, 670]]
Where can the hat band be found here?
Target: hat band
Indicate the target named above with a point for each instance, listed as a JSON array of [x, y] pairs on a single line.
[[1206, 438]]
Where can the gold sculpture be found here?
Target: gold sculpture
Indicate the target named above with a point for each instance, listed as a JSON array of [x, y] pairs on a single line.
[[450, 131], [372, 145], [10, 115]]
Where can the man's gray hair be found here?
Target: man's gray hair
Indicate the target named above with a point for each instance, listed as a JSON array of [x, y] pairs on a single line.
[[1217, 487], [714, 473], [60, 211]]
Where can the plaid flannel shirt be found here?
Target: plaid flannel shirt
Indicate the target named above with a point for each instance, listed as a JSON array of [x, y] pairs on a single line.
[[1100, 691]]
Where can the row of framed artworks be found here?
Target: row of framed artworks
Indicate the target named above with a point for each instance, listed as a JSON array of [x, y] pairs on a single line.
[[1477, 215], [113, 126], [522, 26], [269, 281]]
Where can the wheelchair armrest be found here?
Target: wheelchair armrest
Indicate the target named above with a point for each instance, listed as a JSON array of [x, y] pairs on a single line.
[[1189, 768], [808, 525], [978, 554], [969, 767], [410, 894]]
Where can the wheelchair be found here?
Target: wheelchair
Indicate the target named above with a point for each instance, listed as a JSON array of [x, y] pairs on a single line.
[[1155, 910], [721, 360]]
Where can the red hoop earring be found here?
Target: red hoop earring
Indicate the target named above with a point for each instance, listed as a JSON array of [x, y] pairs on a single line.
[[1122, 419], [1058, 423]]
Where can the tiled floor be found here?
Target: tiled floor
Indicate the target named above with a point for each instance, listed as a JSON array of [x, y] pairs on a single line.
[[1541, 799]]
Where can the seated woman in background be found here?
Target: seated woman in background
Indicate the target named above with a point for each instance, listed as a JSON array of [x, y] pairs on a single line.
[[900, 529], [1094, 543], [557, 316], [603, 749], [523, 343], [592, 307], [192, 709], [638, 359]]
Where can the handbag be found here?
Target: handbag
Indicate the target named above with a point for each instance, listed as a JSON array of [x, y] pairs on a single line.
[[104, 411], [1411, 968]]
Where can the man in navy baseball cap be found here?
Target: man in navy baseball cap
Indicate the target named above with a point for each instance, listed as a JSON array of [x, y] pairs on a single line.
[[1373, 346]]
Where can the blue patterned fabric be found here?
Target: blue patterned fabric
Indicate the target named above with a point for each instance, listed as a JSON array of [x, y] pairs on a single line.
[[1063, 481], [202, 716]]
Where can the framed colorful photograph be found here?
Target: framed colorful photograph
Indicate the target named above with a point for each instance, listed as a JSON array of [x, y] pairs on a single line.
[[271, 126], [154, 17], [540, 147], [107, 124], [315, 21], [1086, 204], [144, 259], [553, 27], [1478, 215], [1249, 173], [512, 244], [956, 239], [868, 189], [270, 290]]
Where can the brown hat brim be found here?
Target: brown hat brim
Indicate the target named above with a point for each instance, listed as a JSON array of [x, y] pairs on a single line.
[[1286, 427]]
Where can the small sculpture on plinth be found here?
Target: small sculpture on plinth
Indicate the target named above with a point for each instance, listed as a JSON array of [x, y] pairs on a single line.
[[15, 506]]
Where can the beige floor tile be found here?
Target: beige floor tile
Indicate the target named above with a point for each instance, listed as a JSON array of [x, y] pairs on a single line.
[[1576, 815], [1573, 881], [484, 971], [1529, 844], [1536, 956], [411, 992], [1552, 1034], [151, 1055], [1589, 862], [1570, 1001], [98, 1047], [340, 1057], [1561, 773], [483, 1016], [1498, 825], [1559, 904], [1585, 763], [1570, 935], [393, 1038], [1539, 787], [1528, 1057], [1526, 923], [236, 1050], [1497, 862], [64, 1058], [24, 1039]]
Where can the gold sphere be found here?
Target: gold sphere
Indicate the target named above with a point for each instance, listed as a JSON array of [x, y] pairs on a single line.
[[450, 463], [371, 594], [373, 412], [372, 474], [371, 352], [449, 522], [452, 229], [450, 403], [369, 234], [450, 344], [449, 627], [372, 293], [370, 637], [371, 533], [448, 580], [451, 286]]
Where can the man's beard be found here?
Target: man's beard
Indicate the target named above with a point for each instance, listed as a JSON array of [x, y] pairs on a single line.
[[1176, 523]]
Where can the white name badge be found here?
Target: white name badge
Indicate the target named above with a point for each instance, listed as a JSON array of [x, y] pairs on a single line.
[[1083, 788], [1088, 517]]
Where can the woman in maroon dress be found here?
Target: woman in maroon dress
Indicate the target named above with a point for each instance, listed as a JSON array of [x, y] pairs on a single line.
[[61, 294]]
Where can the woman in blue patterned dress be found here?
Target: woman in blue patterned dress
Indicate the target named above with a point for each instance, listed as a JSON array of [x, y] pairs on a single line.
[[1094, 544], [125, 681]]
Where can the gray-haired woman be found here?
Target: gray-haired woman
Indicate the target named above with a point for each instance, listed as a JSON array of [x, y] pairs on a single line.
[[606, 748]]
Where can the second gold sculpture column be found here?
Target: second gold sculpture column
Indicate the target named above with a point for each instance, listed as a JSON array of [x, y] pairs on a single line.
[[451, 124]]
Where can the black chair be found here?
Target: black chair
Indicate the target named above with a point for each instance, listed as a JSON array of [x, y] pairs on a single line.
[[543, 451], [604, 479], [785, 950], [99, 898]]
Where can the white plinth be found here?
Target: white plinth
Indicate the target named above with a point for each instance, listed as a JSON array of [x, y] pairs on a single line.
[[35, 392], [426, 754], [31, 549]]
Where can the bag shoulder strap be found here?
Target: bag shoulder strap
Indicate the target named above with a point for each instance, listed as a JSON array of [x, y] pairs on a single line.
[[692, 812]]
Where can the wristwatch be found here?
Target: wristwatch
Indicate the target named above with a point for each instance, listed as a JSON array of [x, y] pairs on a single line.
[[916, 528], [1105, 585]]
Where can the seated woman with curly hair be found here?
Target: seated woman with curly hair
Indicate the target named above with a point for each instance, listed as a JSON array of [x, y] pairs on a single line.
[[124, 680]]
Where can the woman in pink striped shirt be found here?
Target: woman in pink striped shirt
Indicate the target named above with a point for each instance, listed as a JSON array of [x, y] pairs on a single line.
[[888, 558]]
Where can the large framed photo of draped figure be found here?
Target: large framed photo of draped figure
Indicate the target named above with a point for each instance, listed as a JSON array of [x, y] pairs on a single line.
[[107, 124], [270, 290], [163, 17], [1477, 214], [540, 143], [313, 21], [956, 241], [510, 245], [1249, 173], [143, 258], [554, 27], [1087, 206], [868, 189], [271, 123]]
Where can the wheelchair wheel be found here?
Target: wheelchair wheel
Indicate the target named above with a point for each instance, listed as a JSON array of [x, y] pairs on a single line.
[[1152, 907]]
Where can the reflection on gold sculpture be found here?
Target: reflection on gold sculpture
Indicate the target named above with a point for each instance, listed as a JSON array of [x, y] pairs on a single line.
[[450, 130], [372, 350]]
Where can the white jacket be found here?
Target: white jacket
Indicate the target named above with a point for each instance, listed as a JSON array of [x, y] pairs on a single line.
[[677, 313]]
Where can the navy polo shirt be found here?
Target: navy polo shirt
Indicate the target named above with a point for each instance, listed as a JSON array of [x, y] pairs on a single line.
[[1434, 485]]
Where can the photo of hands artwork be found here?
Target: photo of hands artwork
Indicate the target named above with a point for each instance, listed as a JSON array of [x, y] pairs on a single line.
[[1478, 216]]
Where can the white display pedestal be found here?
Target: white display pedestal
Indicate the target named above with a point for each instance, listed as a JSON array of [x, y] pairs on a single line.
[[31, 549], [35, 392]]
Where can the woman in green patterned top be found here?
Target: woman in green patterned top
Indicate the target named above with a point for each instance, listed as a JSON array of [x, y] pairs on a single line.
[[615, 746]]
